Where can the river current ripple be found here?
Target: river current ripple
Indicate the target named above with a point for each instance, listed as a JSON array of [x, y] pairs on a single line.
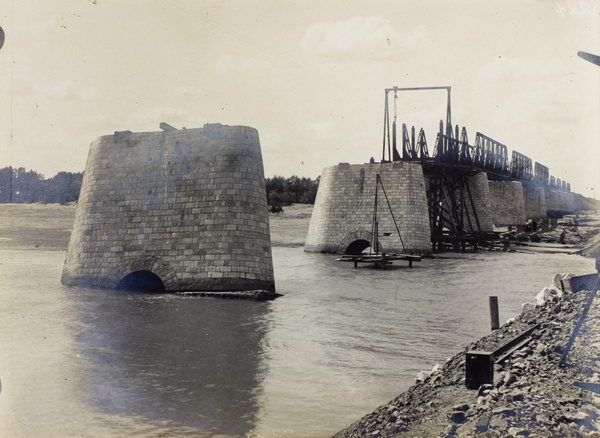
[[338, 344]]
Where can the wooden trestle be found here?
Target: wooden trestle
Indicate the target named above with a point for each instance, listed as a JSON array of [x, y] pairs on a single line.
[[453, 215]]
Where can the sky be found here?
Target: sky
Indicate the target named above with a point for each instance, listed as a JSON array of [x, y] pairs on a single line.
[[308, 75]]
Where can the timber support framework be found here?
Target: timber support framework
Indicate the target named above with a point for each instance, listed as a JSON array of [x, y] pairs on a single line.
[[450, 167], [452, 214]]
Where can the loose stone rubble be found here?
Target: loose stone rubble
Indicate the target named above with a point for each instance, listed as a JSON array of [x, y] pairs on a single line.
[[592, 249], [532, 395], [571, 230], [572, 233]]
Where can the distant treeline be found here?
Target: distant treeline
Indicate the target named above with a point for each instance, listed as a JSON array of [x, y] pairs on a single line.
[[293, 190], [28, 186]]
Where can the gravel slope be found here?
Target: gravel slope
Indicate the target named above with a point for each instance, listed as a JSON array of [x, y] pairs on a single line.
[[532, 395]]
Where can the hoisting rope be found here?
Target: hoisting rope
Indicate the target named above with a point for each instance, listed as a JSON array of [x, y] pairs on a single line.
[[396, 156], [380, 181], [374, 224], [395, 106]]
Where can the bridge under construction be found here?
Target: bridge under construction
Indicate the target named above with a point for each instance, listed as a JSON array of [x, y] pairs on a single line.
[[450, 166], [452, 194]]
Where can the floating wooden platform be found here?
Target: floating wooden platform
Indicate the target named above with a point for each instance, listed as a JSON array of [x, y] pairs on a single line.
[[378, 260]]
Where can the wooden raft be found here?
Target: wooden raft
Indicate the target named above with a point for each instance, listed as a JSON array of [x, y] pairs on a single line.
[[379, 260]]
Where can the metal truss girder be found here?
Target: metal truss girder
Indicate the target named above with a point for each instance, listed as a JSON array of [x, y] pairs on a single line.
[[521, 167]]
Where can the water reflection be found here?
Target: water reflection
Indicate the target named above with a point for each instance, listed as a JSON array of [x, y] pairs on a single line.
[[339, 343], [180, 361]]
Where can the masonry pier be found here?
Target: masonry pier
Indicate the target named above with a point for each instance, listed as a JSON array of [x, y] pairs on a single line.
[[179, 210]]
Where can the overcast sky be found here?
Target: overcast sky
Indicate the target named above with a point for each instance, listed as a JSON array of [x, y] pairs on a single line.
[[308, 75]]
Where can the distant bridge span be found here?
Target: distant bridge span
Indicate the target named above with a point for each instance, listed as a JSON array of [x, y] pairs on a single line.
[[452, 162], [450, 193], [452, 148]]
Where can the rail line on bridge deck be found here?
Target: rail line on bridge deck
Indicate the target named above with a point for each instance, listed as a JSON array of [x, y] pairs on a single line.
[[453, 161]]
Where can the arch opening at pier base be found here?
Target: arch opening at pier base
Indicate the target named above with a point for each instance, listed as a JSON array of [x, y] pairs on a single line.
[[141, 281], [188, 206], [357, 242], [357, 247], [345, 204]]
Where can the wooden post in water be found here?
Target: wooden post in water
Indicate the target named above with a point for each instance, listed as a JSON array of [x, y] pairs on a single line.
[[494, 315]]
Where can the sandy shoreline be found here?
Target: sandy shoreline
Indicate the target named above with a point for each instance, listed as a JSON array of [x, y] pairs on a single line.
[[30, 226]]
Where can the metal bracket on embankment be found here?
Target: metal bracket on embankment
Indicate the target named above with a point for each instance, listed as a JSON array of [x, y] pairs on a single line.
[[480, 364]]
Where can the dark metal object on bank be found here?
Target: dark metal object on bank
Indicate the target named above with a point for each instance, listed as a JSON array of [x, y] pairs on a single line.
[[593, 387], [583, 282], [480, 364]]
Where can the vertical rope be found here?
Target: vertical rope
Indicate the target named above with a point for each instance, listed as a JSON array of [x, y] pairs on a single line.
[[379, 181], [374, 232]]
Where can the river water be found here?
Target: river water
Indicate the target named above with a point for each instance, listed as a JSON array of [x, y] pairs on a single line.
[[339, 343]]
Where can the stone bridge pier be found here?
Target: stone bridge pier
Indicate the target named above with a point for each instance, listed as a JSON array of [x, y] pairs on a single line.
[[342, 217], [180, 210]]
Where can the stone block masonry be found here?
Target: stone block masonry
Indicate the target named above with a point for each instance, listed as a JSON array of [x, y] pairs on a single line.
[[535, 202], [188, 206], [343, 211], [480, 191], [507, 203], [559, 201]]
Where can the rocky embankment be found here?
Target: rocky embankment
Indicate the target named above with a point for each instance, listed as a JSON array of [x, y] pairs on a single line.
[[539, 390], [569, 231], [532, 394]]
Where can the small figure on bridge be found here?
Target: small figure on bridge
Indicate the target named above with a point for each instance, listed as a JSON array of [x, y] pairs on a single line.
[[562, 236], [531, 225]]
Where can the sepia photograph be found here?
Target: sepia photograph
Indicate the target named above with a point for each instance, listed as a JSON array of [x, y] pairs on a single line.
[[304, 219]]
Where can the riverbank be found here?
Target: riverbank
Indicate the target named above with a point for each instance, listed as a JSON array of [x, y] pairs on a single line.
[[531, 394], [48, 226], [31, 226]]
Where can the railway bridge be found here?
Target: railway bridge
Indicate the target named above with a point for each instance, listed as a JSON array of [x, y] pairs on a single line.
[[454, 191], [519, 189]]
